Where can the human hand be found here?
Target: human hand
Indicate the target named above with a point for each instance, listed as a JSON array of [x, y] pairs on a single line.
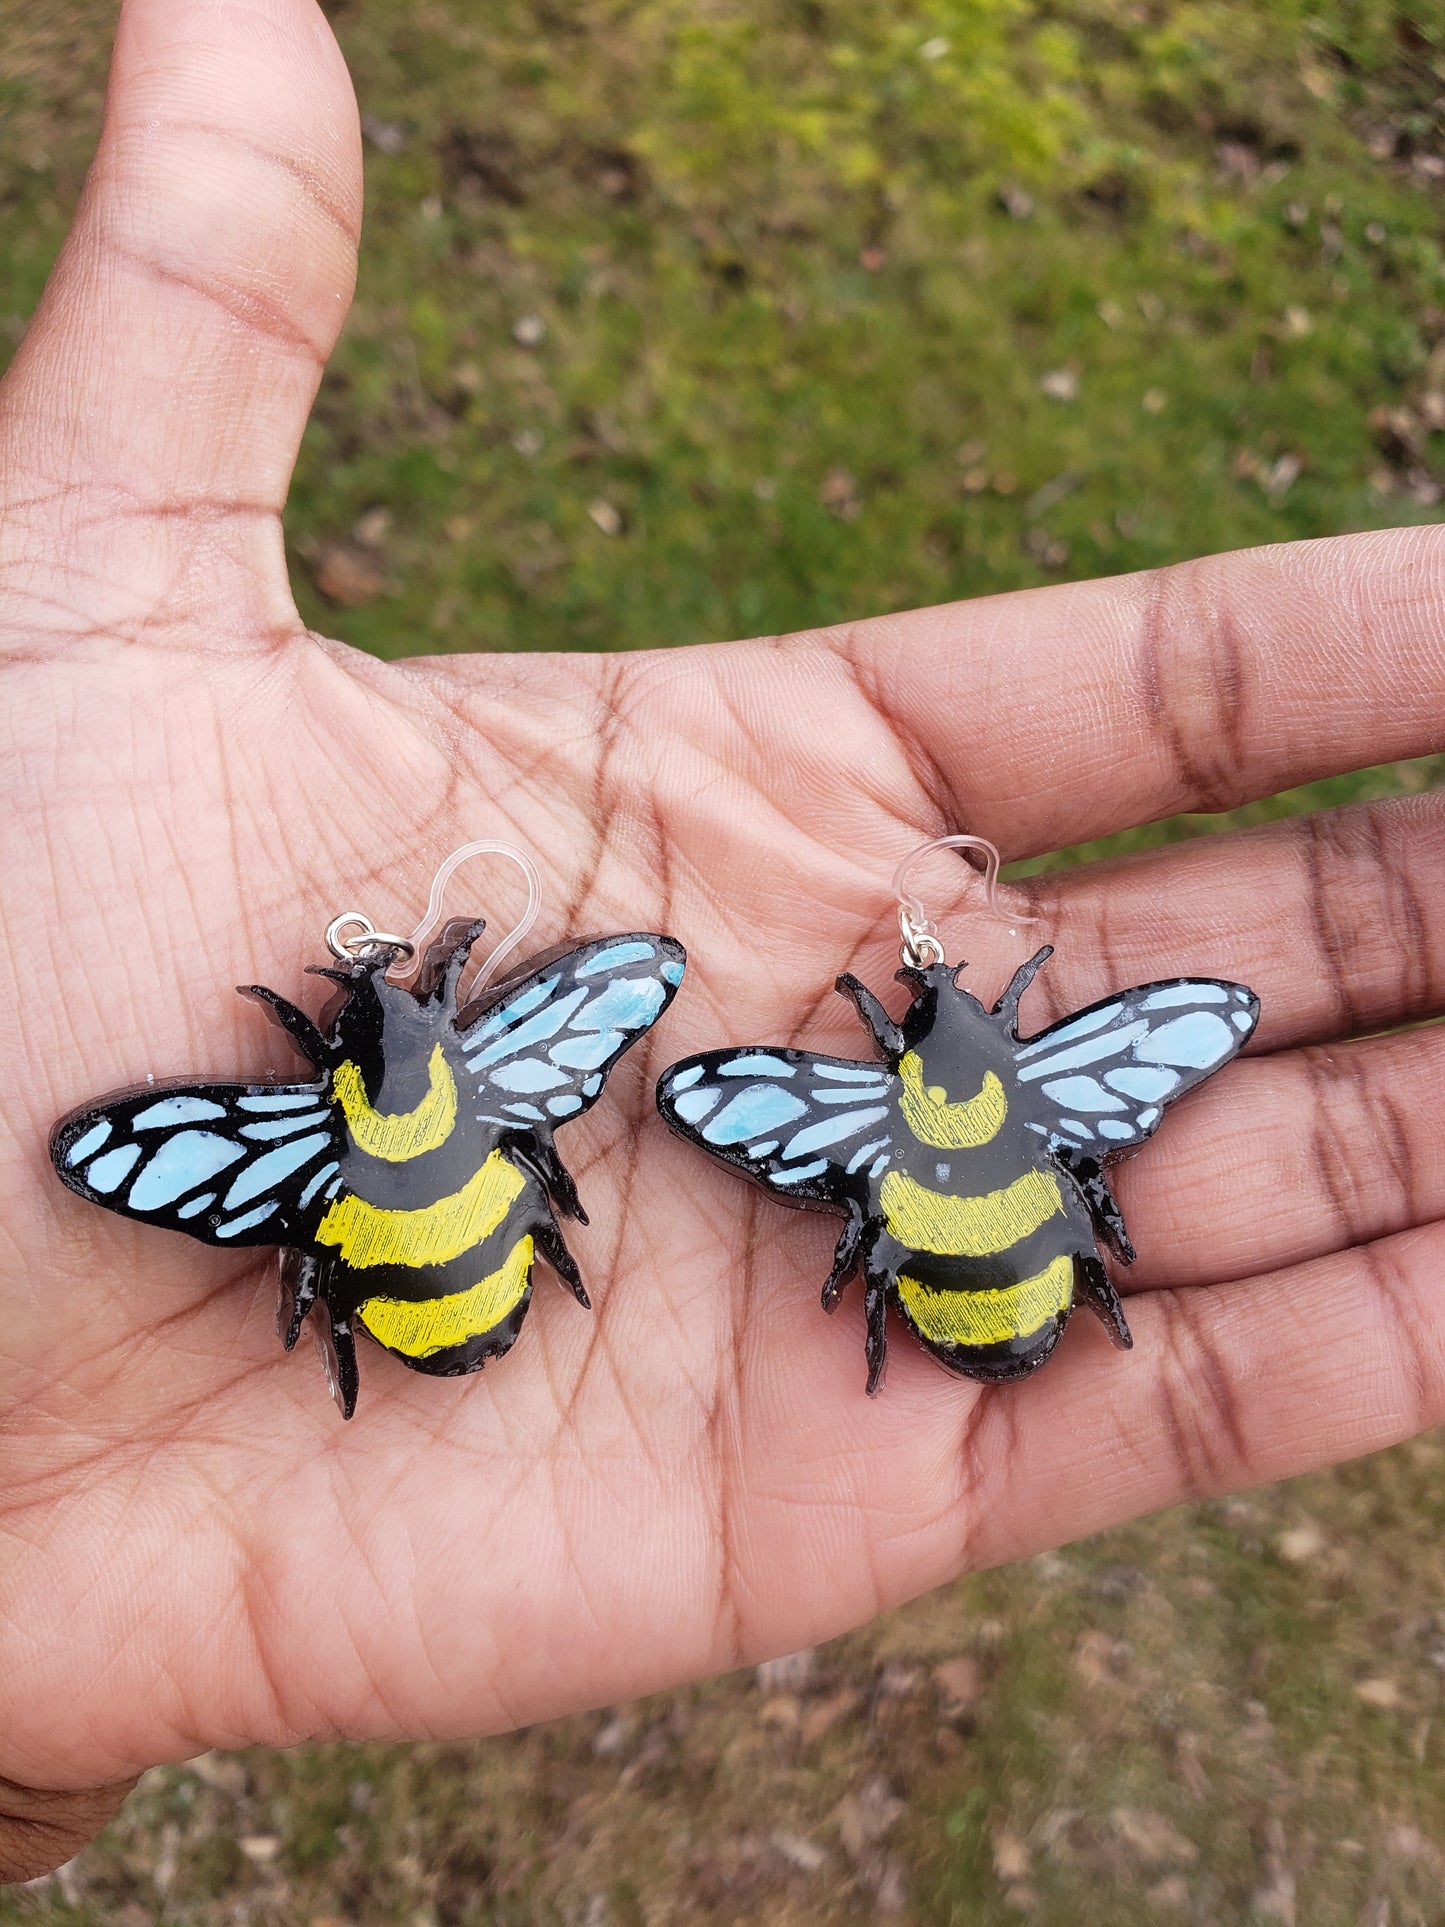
[[194, 1552]]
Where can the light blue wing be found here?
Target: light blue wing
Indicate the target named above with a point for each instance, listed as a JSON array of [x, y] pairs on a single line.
[[543, 1044], [811, 1129], [229, 1164], [1104, 1075]]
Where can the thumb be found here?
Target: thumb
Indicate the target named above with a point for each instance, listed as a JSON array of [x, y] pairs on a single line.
[[177, 350]]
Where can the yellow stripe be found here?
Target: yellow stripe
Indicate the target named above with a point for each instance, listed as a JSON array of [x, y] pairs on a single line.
[[419, 1328], [365, 1234], [990, 1317], [949, 1127], [968, 1227], [407, 1134]]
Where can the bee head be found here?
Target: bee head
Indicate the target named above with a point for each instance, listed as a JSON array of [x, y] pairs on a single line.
[[941, 1007], [387, 1030]]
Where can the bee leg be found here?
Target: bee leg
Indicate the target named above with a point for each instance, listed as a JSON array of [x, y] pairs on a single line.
[[541, 1158], [1099, 1295], [886, 1034], [553, 1248], [300, 1282], [875, 1307], [1104, 1213], [336, 1343], [297, 1025], [845, 1258], [877, 1277], [1007, 1006]]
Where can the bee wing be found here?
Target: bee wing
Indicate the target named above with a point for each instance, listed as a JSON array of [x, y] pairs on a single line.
[[542, 1045], [810, 1128], [230, 1164], [1106, 1073]]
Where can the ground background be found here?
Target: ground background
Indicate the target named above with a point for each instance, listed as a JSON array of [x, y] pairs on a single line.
[[680, 321]]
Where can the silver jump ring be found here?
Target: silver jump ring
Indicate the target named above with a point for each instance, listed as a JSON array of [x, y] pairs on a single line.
[[919, 944], [365, 940]]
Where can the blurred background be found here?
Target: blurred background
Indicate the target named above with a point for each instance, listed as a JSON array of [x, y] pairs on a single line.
[[687, 319]]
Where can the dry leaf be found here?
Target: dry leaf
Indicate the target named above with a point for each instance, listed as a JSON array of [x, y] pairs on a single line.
[[1094, 1657], [890, 1888], [1383, 1694], [839, 494], [1152, 1836], [1011, 1858], [386, 136], [820, 1719], [897, 1680], [610, 1739], [347, 574], [806, 1855], [867, 1816], [1301, 1543], [783, 1710], [225, 1774], [957, 1684], [1191, 1772], [1171, 1892], [372, 528]]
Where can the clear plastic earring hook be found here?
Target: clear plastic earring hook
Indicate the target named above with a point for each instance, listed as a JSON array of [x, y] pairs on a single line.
[[919, 941], [484, 846], [353, 936]]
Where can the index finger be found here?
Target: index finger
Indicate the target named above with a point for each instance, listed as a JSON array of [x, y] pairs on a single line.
[[1050, 716]]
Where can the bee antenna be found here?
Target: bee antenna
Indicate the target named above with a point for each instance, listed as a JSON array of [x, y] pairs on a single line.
[[1007, 1006], [446, 959]]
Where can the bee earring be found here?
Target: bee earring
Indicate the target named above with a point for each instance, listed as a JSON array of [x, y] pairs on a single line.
[[970, 1165], [413, 1177]]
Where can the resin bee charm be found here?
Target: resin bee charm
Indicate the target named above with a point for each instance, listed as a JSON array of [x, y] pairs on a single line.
[[413, 1180], [969, 1164]]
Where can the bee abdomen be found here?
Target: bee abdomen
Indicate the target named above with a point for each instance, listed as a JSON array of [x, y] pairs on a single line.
[[978, 1227], [417, 1328], [993, 1316], [365, 1234]]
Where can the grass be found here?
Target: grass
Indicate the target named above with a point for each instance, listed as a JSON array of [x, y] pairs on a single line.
[[684, 321], [681, 324]]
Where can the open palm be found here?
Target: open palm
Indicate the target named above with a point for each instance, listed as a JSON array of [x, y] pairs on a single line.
[[194, 1551]]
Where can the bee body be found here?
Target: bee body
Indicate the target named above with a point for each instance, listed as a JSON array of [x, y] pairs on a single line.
[[429, 1241], [414, 1183], [981, 1232], [969, 1164]]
